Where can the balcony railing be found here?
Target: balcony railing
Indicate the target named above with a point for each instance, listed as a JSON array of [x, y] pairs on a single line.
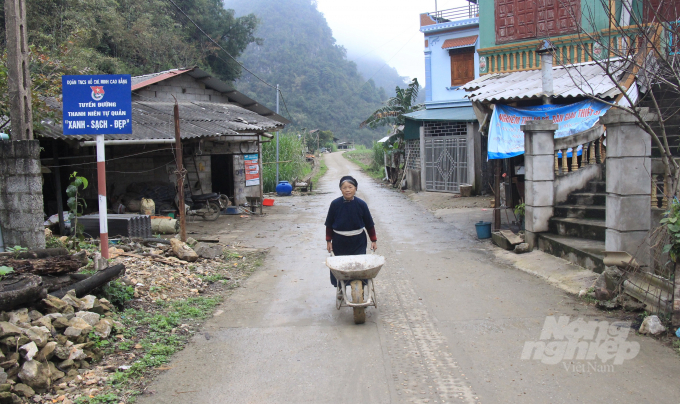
[[458, 13]]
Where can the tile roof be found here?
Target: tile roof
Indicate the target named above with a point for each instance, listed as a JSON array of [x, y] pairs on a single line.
[[460, 42]]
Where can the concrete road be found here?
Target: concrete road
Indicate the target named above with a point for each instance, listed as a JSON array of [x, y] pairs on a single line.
[[451, 325]]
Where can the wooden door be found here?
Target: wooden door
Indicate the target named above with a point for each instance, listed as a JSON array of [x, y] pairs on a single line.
[[505, 21], [526, 19]]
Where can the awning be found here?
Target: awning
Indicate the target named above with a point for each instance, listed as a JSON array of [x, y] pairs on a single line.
[[460, 42], [568, 81], [443, 114]]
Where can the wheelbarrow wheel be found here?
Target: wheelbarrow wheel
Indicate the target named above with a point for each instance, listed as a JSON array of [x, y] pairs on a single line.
[[358, 297]]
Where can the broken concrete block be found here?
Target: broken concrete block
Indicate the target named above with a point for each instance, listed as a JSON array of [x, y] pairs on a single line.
[[652, 325]]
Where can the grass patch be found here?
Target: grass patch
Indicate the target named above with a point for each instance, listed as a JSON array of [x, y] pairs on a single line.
[[323, 168], [160, 332], [364, 158]]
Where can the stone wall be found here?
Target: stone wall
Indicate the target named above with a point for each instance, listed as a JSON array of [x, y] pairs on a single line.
[[21, 199]]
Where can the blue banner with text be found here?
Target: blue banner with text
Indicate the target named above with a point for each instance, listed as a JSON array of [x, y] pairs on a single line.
[[97, 104], [506, 139]]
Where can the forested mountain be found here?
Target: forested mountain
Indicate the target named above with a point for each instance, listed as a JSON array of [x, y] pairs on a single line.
[[384, 75], [322, 89], [123, 36]]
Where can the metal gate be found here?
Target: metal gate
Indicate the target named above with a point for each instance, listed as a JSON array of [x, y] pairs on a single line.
[[446, 164]]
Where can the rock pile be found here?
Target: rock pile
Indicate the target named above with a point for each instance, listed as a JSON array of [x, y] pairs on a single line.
[[52, 347]]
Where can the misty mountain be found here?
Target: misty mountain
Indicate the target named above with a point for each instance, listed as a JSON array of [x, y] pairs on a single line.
[[384, 75], [321, 88]]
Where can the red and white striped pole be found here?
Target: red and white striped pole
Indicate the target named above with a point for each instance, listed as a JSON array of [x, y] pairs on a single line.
[[101, 185]]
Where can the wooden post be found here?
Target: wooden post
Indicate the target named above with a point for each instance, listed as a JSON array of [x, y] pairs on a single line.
[[497, 197], [19, 77], [180, 177]]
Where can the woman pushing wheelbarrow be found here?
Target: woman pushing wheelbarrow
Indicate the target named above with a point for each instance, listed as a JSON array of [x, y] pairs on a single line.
[[347, 224]]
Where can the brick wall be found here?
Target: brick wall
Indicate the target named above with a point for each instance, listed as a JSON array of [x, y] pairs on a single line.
[[184, 87], [445, 128], [413, 154], [21, 199]]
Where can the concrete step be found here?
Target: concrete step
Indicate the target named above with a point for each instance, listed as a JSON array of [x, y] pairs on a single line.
[[588, 198], [596, 186], [591, 229], [581, 211], [585, 253]]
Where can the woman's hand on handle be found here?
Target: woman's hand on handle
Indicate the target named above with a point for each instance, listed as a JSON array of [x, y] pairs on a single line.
[[329, 246], [374, 245]]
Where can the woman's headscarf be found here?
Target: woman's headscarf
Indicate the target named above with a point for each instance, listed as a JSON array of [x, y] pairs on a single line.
[[350, 179]]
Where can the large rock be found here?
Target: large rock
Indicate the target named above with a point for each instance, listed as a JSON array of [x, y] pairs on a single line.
[[28, 351], [87, 302], [39, 335], [60, 323], [36, 375], [72, 300], [23, 390], [3, 376], [62, 352], [77, 354], [183, 251], [19, 317], [46, 352], [613, 277], [34, 315], [8, 329], [55, 374], [208, 251], [43, 321], [89, 317], [78, 323], [103, 328], [652, 325], [54, 304], [15, 340]]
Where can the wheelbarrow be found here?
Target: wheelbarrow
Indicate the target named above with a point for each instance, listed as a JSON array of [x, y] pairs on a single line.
[[358, 271]]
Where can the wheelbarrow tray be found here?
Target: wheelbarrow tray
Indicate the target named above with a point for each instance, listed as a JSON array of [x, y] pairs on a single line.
[[352, 267]]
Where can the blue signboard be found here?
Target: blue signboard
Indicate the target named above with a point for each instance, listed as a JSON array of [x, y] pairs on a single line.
[[506, 138], [97, 104]]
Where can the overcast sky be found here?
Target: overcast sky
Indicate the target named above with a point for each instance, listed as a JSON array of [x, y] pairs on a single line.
[[385, 28]]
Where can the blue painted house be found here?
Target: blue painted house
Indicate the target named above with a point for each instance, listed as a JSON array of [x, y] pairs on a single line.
[[443, 147]]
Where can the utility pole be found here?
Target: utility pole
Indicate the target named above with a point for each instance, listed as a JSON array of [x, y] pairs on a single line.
[[19, 78], [180, 177], [277, 137]]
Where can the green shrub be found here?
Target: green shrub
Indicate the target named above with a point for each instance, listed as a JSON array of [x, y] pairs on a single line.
[[292, 151], [118, 293]]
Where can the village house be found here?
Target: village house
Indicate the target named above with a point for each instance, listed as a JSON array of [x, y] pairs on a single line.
[[536, 56], [218, 126], [443, 146]]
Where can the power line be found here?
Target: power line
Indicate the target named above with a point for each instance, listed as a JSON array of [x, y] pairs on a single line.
[[284, 105], [218, 45], [228, 54]]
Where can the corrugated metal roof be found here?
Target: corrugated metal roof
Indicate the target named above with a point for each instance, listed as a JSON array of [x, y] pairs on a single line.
[[460, 42], [570, 81], [154, 120], [443, 114]]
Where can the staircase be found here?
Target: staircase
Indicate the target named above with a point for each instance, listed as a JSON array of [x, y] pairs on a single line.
[[577, 229]]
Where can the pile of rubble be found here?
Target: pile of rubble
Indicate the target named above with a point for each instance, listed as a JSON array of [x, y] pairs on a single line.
[[53, 347]]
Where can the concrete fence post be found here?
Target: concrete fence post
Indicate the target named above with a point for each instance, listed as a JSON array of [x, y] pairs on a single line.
[[21, 199], [629, 169], [539, 162]]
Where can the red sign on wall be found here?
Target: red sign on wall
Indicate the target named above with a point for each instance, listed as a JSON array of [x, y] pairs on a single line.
[[252, 166]]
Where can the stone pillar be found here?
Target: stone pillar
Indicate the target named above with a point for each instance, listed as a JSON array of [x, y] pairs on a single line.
[[629, 167], [21, 199], [240, 180], [539, 165]]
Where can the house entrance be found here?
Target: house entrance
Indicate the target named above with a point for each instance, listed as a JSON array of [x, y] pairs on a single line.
[[446, 163], [222, 174]]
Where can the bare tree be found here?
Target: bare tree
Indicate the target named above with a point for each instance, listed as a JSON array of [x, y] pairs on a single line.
[[638, 52]]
